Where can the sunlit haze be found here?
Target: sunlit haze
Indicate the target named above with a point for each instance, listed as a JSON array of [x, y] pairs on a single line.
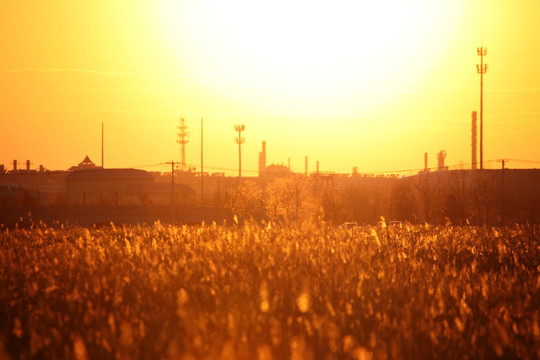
[[366, 84]]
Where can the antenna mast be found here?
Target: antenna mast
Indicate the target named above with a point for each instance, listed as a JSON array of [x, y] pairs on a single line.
[[481, 69], [239, 140], [182, 140]]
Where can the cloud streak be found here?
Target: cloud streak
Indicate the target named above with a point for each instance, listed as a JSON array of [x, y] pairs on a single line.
[[197, 79], [176, 78]]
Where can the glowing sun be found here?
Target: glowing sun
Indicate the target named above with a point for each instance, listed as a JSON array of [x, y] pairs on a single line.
[[310, 45]]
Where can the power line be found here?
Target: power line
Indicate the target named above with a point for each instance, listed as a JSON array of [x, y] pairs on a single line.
[[192, 166], [145, 166], [411, 170], [524, 161], [223, 168]]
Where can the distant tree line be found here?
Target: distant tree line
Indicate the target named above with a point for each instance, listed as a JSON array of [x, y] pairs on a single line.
[[456, 197]]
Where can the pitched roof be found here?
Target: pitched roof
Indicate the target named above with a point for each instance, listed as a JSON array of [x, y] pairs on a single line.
[[87, 161]]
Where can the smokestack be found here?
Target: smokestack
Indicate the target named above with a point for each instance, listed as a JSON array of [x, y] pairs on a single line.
[[441, 156], [262, 159], [426, 169], [473, 141], [264, 154], [317, 167], [27, 164], [14, 165], [306, 169]]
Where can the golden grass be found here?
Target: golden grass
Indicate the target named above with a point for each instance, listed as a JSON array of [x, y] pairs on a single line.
[[301, 291]]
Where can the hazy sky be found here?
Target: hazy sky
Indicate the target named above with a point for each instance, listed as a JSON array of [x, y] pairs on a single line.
[[372, 84]]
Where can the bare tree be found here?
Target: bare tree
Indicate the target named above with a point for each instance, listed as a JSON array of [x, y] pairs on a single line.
[[402, 201], [484, 194], [288, 197], [244, 199], [426, 185], [273, 200]]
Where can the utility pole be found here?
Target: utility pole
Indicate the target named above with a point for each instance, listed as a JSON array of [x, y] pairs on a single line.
[[503, 161], [239, 140], [474, 138], [172, 179], [202, 163], [481, 69], [182, 140], [172, 184], [102, 140], [172, 162]]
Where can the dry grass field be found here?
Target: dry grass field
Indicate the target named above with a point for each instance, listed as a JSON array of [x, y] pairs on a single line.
[[309, 291]]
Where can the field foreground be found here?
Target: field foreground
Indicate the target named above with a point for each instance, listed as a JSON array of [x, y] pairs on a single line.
[[307, 291]]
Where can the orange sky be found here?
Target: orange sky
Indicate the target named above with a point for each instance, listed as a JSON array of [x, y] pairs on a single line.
[[347, 83]]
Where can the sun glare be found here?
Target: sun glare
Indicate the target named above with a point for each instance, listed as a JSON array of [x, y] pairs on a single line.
[[307, 46]]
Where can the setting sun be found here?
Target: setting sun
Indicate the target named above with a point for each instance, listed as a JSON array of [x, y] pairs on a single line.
[[372, 85], [284, 48]]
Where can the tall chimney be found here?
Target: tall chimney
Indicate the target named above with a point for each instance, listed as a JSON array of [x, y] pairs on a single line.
[[426, 169], [317, 167], [262, 159], [306, 168], [473, 141], [441, 156], [27, 164], [264, 153], [14, 165]]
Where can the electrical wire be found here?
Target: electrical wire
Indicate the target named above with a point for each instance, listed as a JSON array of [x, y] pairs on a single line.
[[464, 166]]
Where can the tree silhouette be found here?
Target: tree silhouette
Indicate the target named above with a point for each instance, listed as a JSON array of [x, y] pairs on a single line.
[[426, 185]]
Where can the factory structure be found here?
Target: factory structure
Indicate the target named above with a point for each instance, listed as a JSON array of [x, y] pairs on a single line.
[[133, 195], [432, 195], [474, 196]]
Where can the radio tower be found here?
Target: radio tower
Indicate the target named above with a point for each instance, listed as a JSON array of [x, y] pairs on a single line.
[[182, 140], [239, 140], [481, 69]]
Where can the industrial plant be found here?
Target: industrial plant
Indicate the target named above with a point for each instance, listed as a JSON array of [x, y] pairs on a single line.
[[88, 194]]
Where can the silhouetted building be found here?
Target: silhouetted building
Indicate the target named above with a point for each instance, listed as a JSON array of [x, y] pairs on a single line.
[[107, 186], [271, 171], [159, 193], [32, 187], [277, 171], [86, 164], [121, 187]]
